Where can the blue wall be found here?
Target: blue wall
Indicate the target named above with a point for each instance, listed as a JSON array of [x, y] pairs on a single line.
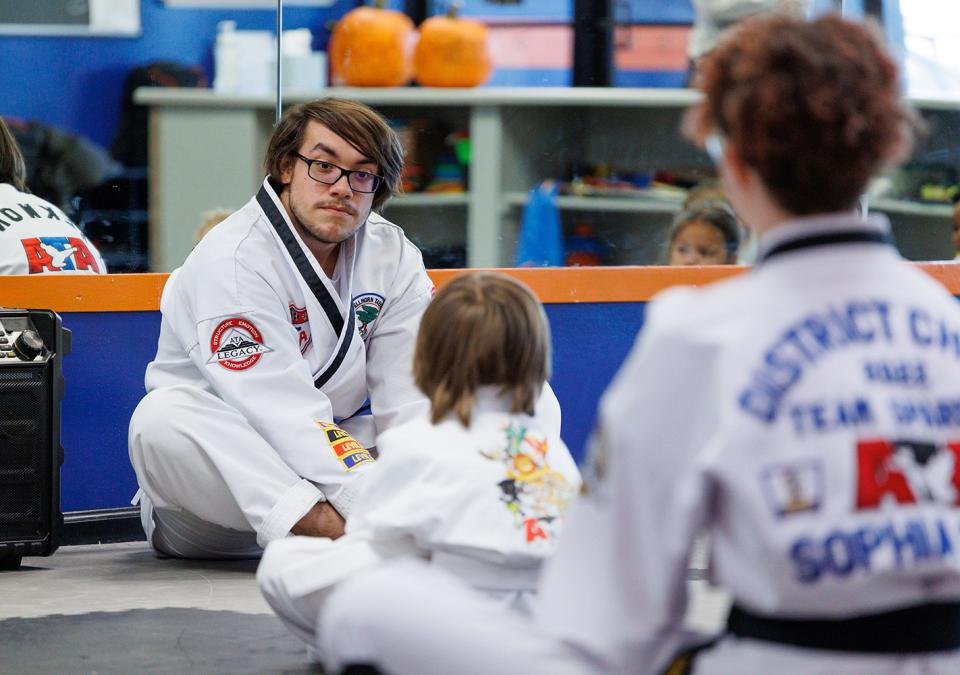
[[76, 83], [104, 377]]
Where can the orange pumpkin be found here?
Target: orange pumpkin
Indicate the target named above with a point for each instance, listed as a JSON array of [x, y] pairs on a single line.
[[372, 47], [452, 52]]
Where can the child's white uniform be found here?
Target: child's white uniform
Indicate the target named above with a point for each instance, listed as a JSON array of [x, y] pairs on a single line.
[[484, 503]]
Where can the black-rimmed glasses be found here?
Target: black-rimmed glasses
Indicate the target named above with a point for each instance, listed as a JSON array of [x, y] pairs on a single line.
[[323, 171]]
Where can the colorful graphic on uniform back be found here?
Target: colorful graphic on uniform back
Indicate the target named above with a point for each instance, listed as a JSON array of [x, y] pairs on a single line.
[[350, 453], [59, 254], [236, 344], [367, 307], [535, 494], [907, 472], [300, 321]]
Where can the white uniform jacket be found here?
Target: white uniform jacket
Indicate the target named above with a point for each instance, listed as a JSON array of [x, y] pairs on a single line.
[[252, 318], [36, 237], [484, 503], [806, 414]]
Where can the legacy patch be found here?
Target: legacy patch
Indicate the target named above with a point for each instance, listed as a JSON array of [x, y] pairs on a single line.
[[350, 453], [236, 344], [367, 307]]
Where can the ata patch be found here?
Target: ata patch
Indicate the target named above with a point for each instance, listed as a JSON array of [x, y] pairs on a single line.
[[367, 307], [236, 344], [793, 488], [300, 321], [58, 254], [350, 453]]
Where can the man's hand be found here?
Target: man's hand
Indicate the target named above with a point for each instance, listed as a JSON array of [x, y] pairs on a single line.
[[322, 520]]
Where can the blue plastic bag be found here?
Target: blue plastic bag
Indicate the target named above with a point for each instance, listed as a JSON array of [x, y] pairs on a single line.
[[541, 236]]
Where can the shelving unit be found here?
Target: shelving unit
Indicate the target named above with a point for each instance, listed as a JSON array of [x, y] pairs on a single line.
[[206, 151], [611, 204]]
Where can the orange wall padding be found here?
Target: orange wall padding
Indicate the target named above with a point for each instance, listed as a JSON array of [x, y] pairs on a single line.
[[141, 292]]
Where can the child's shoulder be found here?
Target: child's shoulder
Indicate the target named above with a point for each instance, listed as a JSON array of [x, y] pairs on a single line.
[[418, 435]]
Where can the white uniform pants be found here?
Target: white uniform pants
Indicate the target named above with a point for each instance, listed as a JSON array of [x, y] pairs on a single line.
[[212, 486], [410, 620], [298, 574]]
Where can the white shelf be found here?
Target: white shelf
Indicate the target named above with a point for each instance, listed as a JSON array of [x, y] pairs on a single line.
[[911, 208], [420, 199], [618, 204], [432, 96]]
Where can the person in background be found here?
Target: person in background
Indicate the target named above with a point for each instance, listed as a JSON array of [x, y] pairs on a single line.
[[799, 414], [36, 237], [704, 235], [209, 220], [478, 486]]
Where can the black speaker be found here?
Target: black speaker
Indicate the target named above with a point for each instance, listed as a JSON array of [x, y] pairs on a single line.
[[32, 346]]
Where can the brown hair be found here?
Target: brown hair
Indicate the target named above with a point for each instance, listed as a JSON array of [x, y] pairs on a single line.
[[356, 123], [13, 170], [482, 328], [813, 107]]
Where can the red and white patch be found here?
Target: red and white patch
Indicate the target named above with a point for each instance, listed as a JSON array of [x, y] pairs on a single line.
[[300, 321], [236, 344]]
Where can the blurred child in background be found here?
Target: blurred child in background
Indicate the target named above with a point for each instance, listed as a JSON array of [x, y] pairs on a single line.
[[706, 234]]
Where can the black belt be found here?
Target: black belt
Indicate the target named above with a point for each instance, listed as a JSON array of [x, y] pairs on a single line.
[[920, 629]]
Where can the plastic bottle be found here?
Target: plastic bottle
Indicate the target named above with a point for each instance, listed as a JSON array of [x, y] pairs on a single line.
[[584, 249], [225, 77]]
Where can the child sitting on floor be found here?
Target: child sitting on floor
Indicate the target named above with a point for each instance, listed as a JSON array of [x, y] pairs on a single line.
[[478, 487]]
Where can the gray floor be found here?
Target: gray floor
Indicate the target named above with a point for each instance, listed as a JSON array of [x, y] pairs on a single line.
[[117, 609]]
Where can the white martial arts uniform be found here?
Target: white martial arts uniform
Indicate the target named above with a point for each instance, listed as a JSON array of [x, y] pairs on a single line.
[[484, 503], [807, 415], [259, 354], [36, 237]]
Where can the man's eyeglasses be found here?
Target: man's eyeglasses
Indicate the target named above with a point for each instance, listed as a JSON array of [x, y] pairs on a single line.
[[323, 171]]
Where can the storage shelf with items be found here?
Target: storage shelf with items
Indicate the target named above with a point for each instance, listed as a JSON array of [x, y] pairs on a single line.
[[518, 137]]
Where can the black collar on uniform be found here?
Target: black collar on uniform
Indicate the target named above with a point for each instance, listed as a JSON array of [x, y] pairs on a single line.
[[828, 239], [313, 280], [300, 260]]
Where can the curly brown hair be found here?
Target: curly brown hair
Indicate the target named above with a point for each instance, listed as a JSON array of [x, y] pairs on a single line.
[[814, 108]]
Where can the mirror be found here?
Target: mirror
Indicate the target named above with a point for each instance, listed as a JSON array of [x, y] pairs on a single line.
[[525, 168]]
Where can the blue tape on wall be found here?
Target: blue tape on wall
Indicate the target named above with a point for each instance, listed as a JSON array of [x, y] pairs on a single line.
[[104, 377]]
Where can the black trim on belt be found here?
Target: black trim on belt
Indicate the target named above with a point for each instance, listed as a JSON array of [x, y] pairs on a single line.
[[843, 237], [918, 629], [320, 291], [300, 260]]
